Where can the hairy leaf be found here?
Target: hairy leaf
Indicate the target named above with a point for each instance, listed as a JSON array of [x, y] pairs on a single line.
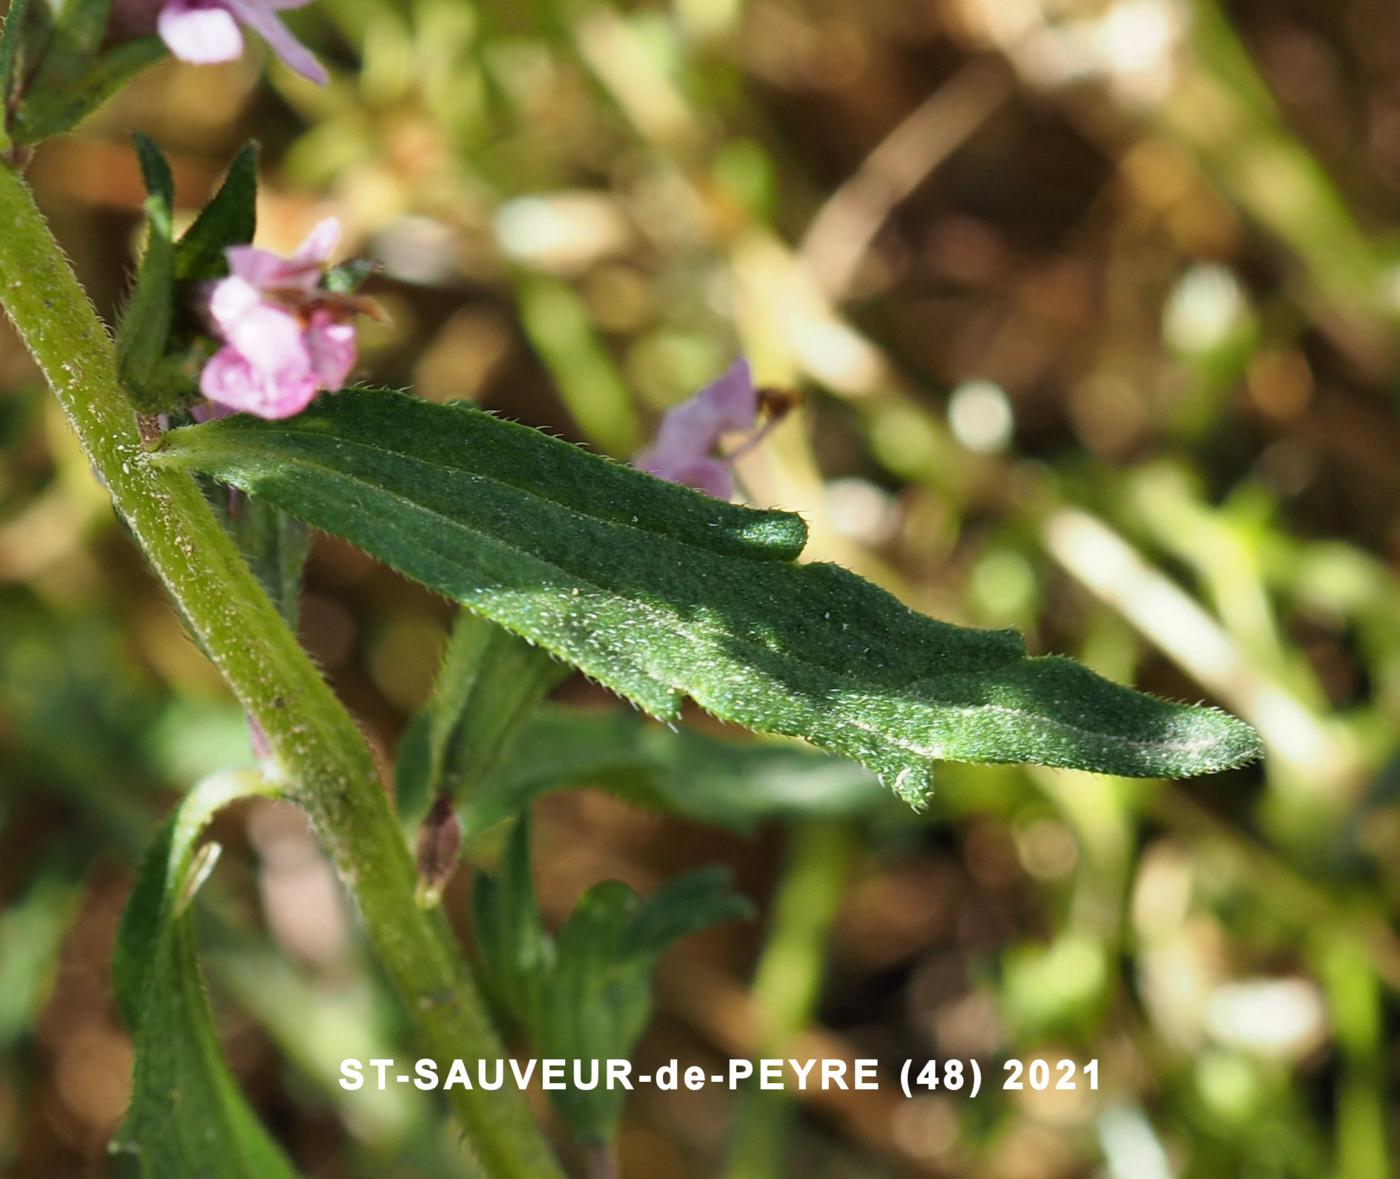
[[511, 942], [229, 219], [9, 38], [275, 546], [74, 77], [659, 592], [187, 1116], [145, 325], [488, 683]]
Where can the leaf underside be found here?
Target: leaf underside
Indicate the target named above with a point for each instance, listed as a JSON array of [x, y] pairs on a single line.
[[659, 593], [680, 771]]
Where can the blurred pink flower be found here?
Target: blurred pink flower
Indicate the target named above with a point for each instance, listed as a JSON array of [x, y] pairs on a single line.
[[285, 339], [689, 433], [205, 31], [688, 438]]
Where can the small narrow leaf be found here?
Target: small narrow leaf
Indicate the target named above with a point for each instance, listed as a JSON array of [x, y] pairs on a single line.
[[587, 996], [595, 1003], [276, 546], [229, 219], [187, 1116], [80, 25], [682, 906], [488, 683], [676, 770], [56, 41], [145, 325], [158, 179], [70, 85], [659, 592], [511, 942], [9, 39]]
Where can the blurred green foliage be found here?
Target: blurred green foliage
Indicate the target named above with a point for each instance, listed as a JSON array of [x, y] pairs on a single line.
[[1092, 307]]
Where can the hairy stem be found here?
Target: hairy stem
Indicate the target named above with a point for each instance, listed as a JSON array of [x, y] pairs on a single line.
[[330, 771]]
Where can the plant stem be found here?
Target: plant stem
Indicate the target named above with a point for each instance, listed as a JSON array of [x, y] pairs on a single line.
[[331, 774], [601, 1161], [787, 983]]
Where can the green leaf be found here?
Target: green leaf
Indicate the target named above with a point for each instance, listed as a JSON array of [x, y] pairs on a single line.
[[187, 1116], [682, 906], [659, 592], [680, 771], [157, 363], [9, 39], [276, 546], [56, 41], [594, 1005], [587, 997], [74, 79], [145, 325], [511, 942], [489, 682], [229, 219], [80, 25]]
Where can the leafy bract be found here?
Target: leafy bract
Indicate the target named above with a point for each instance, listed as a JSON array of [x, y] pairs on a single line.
[[145, 325], [156, 362], [660, 593], [187, 1116], [229, 219]]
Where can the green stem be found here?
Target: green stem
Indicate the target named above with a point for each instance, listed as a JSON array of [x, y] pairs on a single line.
[[787, 983], [1361, 1148], [331, 773]]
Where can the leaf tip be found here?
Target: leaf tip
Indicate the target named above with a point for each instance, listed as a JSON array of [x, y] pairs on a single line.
[[1226, 743], [912, 785]]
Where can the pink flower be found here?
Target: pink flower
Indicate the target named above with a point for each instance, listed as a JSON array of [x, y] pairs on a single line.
[[205, 31], [687, 442], [285, 339]]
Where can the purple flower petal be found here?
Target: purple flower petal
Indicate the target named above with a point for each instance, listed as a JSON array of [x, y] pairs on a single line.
[[258, 268], [317, 246], [231, 298], [230, 380], [199, 32], [330, 344], [301, 272], [712, 476], [259, 15], [727, 403], [268, 337], [284, 338], [690, 433]]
